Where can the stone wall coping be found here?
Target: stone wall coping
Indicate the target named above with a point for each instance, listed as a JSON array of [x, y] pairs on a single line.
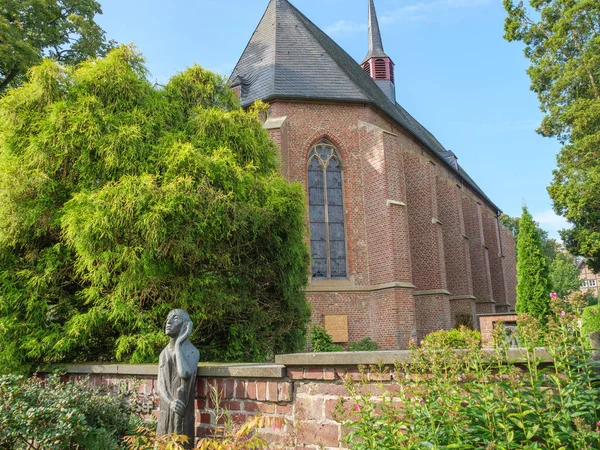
[[205, 370], [343, 358], [389, 357], [498, 314], [277, 370]]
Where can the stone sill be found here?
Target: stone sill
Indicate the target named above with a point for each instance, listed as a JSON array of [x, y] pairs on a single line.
[[205, 370], [387, 358]]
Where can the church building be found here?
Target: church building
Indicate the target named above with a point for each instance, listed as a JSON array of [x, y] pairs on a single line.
[[403, 242]]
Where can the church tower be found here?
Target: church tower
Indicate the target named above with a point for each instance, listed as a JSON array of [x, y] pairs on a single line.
[[377, 64]]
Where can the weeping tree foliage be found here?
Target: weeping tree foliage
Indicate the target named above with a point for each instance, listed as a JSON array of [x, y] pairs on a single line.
[[533, 273], [120, 202], [562, 42]]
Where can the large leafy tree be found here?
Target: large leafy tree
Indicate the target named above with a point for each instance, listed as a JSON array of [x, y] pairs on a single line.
[[564, 275], [562, 41], [32, 29], [533, 284], [119, 202]]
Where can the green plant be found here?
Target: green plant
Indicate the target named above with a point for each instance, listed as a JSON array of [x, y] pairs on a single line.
[[463, 320], [461, 337], [322, 341], [470, 399], [365, 345], [533, 287], [47, 414], [120, 201], [590, 320]]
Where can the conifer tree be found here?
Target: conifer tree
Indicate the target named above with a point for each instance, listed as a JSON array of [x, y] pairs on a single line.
[[533, 285], [120, 202]]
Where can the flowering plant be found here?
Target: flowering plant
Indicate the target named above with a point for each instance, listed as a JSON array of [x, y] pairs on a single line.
[[469, 399]]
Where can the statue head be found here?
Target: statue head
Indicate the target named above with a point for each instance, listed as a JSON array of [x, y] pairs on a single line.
[[177, 322]]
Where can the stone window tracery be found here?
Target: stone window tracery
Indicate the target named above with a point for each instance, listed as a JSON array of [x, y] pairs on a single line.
[[326, 213]]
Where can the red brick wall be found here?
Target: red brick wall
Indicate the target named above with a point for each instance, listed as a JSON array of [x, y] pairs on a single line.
[[407, 222]]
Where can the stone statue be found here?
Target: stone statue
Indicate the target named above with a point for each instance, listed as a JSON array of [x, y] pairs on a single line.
[[176, 385]]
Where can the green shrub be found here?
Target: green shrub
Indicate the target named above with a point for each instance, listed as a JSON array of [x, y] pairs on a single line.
[[590, 320], [461, 337], [51, 415], [463, 320], [366, 345], [470, 400], [322, 341]]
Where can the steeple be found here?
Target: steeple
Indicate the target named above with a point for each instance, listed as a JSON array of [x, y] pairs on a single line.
[[377, 64], [375, 44]]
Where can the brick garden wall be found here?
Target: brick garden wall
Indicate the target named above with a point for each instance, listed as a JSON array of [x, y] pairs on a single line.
[[303, 389]]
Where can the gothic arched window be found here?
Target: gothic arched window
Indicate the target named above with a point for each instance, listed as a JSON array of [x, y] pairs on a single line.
[[326, 212]]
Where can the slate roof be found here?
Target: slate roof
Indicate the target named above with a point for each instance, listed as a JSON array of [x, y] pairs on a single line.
[[290, 57]]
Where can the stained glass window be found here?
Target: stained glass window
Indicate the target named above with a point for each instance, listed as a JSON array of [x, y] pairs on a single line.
[[326, 213]]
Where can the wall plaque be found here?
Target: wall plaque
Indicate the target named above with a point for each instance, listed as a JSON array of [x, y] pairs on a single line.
[[337, 327]]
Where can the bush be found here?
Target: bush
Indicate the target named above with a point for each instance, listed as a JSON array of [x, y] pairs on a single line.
[[473, 400], [366, 345], [590, 320], [51, 415], [322, 341], [120, 202], [462, 337]]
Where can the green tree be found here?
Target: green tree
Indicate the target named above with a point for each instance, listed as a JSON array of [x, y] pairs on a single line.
[[533, 285], [550, 246], [564, 275], [562, 41], [30, 30], [119, 202]]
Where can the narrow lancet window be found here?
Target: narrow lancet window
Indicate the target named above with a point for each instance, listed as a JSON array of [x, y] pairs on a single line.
[[326, 213]]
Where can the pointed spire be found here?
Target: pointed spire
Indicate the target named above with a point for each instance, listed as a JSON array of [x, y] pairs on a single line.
[[375, 43]]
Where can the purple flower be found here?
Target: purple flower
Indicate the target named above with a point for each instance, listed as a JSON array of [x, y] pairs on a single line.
[[420, 401], [553, 295], [563, 314], [356, 408]]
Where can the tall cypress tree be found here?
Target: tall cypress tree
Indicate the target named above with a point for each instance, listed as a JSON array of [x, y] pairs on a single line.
[[533, 273]]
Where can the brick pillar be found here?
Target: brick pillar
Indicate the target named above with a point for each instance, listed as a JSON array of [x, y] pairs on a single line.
[[492, 238], [456, 251], [480, 267], [509, 263], [432, 303]]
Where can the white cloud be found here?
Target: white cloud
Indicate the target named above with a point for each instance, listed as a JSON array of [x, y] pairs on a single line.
[[551, 222], [345, 26]]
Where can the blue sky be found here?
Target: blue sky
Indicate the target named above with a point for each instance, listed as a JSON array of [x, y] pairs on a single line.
[[454, 73]]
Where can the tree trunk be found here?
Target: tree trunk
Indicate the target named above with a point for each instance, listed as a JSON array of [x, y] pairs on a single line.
[[11, 76]]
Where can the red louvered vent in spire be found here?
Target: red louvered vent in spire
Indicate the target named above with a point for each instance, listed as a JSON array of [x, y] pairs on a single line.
[[392, 72], [367, 67], [380, 69]]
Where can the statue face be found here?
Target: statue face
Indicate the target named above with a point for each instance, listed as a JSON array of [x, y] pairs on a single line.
[[173, 325]]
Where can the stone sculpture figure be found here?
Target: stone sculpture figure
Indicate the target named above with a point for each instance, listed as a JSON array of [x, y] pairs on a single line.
[[177, 367]]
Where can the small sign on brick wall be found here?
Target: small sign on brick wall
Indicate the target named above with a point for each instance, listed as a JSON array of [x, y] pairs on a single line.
[[337, 327]]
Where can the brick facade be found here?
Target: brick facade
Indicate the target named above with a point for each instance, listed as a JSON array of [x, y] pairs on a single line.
[[422, 246]]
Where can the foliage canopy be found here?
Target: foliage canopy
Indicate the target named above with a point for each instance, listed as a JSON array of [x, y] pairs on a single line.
[[119, 202], [562, 41], [564, 275], [64, 30], [533, 284]]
